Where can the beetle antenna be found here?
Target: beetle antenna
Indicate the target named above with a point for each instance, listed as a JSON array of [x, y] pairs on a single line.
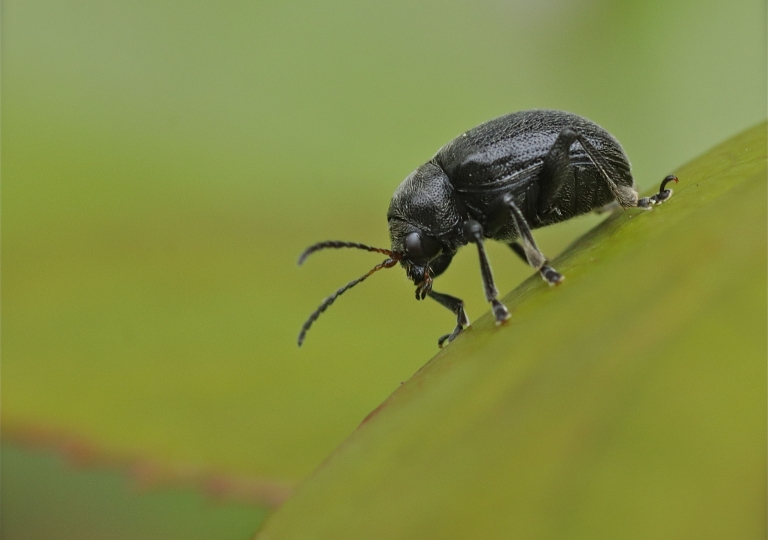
[[388, 263], [337, 244]]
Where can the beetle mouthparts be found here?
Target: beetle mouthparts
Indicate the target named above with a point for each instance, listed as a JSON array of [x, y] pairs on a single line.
[[423, 288]]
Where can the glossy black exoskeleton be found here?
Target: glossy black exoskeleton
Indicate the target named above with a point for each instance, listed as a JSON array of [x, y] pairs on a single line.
[[499, 180]]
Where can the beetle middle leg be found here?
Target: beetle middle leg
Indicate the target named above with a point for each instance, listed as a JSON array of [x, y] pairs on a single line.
[[474, 233], [548, 274], [501, 210], [457, 306]]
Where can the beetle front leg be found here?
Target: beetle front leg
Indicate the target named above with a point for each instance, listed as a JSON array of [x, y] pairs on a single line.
[[473, 232], [456, 305]]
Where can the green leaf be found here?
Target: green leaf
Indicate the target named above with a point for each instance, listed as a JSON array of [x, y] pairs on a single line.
[[163, 164], [629, 402]]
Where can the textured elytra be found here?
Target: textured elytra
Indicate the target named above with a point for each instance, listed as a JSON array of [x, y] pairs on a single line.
[[505, 155]]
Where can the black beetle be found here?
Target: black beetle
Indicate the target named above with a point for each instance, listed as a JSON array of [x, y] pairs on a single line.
[[499, 180]]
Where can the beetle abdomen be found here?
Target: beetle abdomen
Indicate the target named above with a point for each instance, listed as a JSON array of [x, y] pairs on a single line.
[[507, 155]]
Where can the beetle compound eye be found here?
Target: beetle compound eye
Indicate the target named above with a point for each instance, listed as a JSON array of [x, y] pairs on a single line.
[[413, 246], [421, 247]]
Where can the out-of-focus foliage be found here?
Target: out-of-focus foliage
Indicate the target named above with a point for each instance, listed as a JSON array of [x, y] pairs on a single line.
[[627, 403], [163, 163], [46, 494]]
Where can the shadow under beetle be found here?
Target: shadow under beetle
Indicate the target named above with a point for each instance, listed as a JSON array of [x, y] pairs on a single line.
[[498, 180]]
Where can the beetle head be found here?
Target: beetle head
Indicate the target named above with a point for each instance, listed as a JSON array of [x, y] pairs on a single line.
[[423, 255], [424, 224], [424, 227]]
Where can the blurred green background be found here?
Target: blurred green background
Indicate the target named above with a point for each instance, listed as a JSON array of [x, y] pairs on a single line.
[[163, 164]]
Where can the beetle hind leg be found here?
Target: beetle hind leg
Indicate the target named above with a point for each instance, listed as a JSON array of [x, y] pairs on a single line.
[[559, 170], [663, 195]]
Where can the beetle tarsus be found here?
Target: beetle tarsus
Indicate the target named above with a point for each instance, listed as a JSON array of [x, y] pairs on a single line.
[[551, 276], [548, 274], [449, 337], [663, 195], [500, 311]]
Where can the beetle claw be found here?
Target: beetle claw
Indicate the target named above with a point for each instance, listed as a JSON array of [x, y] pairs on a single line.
[[667, 180], [449, 337], [663, 195], [500, 312]]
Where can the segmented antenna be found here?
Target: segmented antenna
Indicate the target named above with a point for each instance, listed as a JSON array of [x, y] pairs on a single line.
[[337, 244], [388, 263]]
